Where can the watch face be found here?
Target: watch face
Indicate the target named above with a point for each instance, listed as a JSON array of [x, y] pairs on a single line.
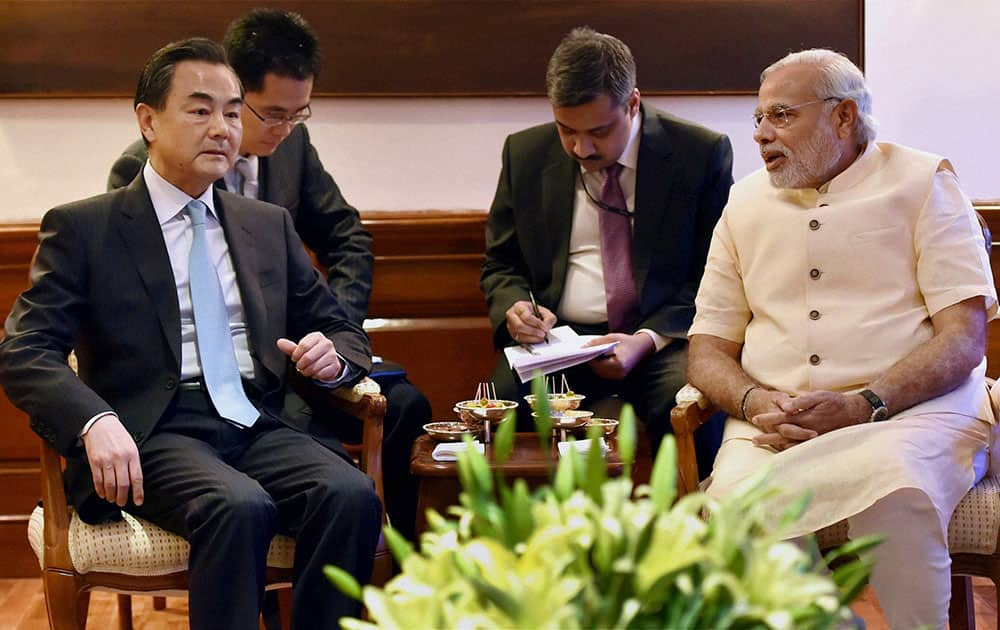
[[880, 414]]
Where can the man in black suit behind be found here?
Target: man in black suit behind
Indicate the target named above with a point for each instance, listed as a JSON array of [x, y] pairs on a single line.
[[544, 231], [139, 426], [276, 55]]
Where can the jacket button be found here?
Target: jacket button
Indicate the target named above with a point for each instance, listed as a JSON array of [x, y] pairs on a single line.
[[171, 383], [814, 315], [815, 273], [814, 225], [814, 359]]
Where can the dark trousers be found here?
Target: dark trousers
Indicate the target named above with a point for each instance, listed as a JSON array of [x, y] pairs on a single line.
[[229, 490], [651, 387], [406, 413]]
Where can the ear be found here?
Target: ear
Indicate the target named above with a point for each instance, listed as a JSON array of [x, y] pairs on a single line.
[[633, 103], [845, 118], [146, 117]]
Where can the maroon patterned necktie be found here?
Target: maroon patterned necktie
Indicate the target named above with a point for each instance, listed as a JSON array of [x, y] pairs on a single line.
[[616, 257]]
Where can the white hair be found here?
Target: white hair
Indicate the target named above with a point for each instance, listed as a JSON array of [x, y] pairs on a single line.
[[838, 78]]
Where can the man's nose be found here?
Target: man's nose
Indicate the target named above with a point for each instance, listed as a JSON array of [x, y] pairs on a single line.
[[583, 147], [764, 132], [218, 126]]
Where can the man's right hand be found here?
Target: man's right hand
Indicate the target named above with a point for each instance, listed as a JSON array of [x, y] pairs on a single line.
[[114, 461], [524, 327]]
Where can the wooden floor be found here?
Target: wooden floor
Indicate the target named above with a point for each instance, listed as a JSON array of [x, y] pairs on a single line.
[[22, 607]]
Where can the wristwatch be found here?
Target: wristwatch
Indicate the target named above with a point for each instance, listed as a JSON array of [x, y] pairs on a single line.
[[879, 410]]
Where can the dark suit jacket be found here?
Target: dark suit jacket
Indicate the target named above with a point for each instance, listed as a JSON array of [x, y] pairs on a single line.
[[683, 176], [102, 284], [294, 178]]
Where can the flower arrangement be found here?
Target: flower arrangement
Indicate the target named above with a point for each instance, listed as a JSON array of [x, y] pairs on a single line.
[[587, 551]]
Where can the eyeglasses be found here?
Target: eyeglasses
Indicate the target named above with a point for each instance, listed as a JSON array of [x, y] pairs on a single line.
[[600, 204], [276, 120], [778, 115]]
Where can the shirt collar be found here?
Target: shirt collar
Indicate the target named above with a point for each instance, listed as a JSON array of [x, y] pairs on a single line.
[[169, 200], [853, 173]]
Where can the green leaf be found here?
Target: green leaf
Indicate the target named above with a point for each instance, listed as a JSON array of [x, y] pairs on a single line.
[[503, 441], [543, 417], [343, 580], [563, 484], [627, 438], [664, 478], [596, 472], [854, 547], [398, 544]]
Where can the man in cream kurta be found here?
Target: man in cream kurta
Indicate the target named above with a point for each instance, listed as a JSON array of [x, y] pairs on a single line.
[[845, 277]]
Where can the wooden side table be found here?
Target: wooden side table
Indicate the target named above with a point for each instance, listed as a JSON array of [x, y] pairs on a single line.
[[439, 485]]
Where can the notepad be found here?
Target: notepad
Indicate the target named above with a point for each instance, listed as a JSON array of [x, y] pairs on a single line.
[[565, 349]]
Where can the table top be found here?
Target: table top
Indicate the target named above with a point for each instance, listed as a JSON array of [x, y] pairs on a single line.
[[527, 459]]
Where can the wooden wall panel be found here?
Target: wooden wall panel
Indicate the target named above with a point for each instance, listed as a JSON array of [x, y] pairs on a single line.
[[428, 47]]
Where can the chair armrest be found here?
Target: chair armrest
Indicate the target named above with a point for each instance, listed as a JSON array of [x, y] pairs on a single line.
[[56, 528], [363, 402], [692, 411]]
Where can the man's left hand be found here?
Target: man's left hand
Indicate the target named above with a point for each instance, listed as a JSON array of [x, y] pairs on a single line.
[[313, 356], [804, 417], [620, 360]]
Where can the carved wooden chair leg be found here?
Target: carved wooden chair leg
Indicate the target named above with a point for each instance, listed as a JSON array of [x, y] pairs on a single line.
[[961, 609], [61, 592]]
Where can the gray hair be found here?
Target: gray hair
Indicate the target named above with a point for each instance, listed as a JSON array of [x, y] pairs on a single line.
[[838, 78], [587, 64]]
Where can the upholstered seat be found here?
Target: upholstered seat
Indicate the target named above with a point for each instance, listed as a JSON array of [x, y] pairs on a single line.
[[973, 533], [134, 556]]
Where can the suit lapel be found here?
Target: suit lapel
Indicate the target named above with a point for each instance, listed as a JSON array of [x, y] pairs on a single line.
[[558, 195], [655, 177], [143, 240]]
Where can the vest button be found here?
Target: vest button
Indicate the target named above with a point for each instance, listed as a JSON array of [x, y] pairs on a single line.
[[814, 315], [814, 359], [814, 225], [171, 383], [815, 273]]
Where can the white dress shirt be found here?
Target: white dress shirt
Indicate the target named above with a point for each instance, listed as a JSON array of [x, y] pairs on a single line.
[[584, 300]]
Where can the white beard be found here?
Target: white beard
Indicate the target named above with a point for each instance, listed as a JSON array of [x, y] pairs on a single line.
[[810, 165]]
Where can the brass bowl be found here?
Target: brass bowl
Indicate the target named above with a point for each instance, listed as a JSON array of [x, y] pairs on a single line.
[[449, 431], [607, 425], [474, 413], [568, 420], [558, 402]]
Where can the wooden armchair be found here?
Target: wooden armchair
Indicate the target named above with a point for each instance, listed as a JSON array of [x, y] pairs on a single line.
[[973, 534], [134, 556]]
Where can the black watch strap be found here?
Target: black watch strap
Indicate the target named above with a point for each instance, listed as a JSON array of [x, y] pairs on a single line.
[[879, 410]]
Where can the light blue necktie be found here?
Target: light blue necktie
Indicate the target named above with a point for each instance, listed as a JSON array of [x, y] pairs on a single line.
[[214, 340]]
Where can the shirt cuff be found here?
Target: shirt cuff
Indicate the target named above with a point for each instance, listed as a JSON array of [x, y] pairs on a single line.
[[347, 371], [91, 422], [659, 341]]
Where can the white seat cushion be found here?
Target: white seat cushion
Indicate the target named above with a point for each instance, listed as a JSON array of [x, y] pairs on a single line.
[[134, 546], [973, 528]]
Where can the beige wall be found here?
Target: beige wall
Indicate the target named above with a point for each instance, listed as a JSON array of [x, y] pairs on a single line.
[[929, 63]]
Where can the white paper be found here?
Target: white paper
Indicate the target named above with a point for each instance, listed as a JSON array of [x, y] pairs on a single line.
[[448, 451], [582, 446], [565, 349]]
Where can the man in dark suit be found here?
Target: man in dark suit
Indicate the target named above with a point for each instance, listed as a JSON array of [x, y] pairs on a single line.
[[605, 217], [161, 423], [276, 55]]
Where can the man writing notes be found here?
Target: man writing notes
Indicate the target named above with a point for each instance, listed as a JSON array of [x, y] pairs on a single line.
[[604, 216], [185, 304], [841, 323], [277, 57]]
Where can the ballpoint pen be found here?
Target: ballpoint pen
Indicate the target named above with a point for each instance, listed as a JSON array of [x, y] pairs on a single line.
[[534, 309]]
